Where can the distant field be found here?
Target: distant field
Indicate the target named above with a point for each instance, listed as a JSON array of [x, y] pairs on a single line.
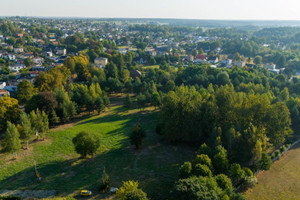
[[282, 181], [151, 67], [155, 166]]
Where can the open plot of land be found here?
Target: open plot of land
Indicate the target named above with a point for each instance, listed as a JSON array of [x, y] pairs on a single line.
[[61, 169], [282, 181]]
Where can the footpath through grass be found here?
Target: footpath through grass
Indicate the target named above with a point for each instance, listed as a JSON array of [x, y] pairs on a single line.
[[155, 166], [282, 181]]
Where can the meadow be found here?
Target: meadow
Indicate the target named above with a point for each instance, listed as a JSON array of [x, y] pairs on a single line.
[[155, 166]]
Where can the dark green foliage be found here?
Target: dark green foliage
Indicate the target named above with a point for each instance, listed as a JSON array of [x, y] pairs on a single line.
[[137, 136], [201, 170], [86, 143], [202, 159], [105, 182], [204, 149], [248, 171], [136, 195], [185, 170], [198, 188], [265, 162], [236, 173], [224, 183], [127, 102], [220, 160], [10, 198]]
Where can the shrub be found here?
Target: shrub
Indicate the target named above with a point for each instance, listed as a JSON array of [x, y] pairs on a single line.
[[248, 172], [236, 173], [202, 170], [224, 183], [225, 197], [249, 182], [202, 159], [105, 183], [197, 188], [137, 136], [127, 102], [204, 149], [265, 162], [130, 191], [185, 170], [86, 143], [220, 160], [277, 154], [282, 149], [9, 198]]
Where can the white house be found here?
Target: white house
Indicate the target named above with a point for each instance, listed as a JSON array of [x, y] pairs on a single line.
[[38, 60], [16, 67], [100, 62], [2, 85], [61, 52], [18, 50]]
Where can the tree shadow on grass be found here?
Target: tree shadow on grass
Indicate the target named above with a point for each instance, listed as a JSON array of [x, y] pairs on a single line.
[[155, 166]]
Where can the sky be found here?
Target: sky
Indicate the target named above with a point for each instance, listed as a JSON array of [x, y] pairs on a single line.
[[185, 9]]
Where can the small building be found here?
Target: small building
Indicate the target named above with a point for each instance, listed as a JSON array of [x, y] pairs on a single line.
[[38, 60], [2, 85], [101, 62], [135, 74], [270, 66], [239, 63], [16, 67], [19, 50], [62, 52], [4, 92]]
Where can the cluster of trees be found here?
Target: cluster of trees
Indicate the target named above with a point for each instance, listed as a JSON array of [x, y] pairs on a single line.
[[34, 124], [210, 175], [245, 124]]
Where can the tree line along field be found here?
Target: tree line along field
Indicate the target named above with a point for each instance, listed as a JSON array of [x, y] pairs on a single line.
[[155, 166], [281, 181]]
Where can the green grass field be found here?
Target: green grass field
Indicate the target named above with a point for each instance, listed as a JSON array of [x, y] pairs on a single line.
[[155, 166], [151, 67], [281, 181]]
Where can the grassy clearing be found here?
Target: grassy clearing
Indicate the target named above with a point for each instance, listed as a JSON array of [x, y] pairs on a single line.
[[281, 181], [151, 67], [155, 166]]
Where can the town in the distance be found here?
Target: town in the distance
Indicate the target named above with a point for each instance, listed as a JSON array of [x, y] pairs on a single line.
[[138, 109]]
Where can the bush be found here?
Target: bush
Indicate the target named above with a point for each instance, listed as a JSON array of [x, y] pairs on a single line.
[[185, 170], [248, 172], [236, 173], [202, 170], [136, 195], [238, 196], [282, 149], [202, 159], [277, 154], [130, 191], [224, 183], [137, 136], [127, 102], [265, 162], [9, 198], [204, 149], [105, 183], [197, 188], [249, 182], [86, 143]]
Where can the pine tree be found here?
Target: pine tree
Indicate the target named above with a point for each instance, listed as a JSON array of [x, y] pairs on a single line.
[[127, 102], [27, 131], [54, 118], [11, 141]]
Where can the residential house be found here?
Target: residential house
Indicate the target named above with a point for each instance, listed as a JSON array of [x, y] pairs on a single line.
[[239, 63], [19, 50], [226, 63], [270, 66], [200, 59], [2, 85], [38, 60], [213, 60], [101, 62], [4, 92], [61, 51], [16, 67]]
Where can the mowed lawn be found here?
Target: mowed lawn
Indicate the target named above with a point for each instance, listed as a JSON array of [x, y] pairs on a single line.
[[282, 181], [61, 169]]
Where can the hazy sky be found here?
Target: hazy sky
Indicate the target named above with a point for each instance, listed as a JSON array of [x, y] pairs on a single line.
[[190, 9]]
